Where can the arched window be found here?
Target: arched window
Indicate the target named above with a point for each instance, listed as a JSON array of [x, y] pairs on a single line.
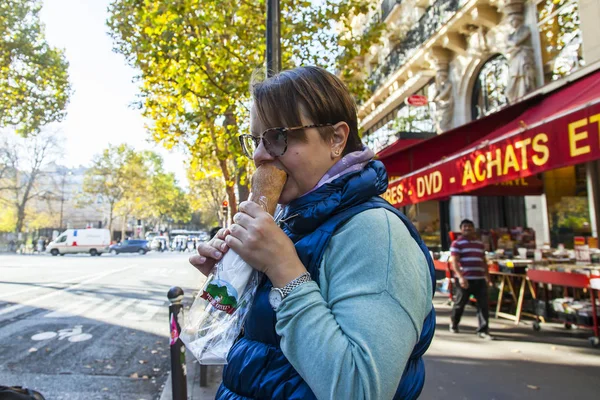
[[490, 87]]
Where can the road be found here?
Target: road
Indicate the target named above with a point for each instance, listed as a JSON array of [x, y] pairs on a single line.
[[81, 327]]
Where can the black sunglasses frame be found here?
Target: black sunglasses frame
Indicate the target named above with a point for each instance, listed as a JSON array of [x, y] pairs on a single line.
[[267, 144]]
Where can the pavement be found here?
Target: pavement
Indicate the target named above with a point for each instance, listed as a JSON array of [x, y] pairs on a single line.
[[96, 328], [554, 363]]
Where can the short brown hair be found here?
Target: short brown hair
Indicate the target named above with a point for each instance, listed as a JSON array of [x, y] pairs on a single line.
[[279, 101]]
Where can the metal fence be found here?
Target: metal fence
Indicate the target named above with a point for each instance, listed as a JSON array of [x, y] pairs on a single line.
[[434, 18]]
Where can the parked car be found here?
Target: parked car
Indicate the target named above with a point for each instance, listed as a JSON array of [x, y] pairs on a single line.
[[156, 244], [130, 246], [92, 241], [151, 235]]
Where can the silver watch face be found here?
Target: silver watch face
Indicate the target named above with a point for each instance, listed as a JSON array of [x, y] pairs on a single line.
[[275, 298]]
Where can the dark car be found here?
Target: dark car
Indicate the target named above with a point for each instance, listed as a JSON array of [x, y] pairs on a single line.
[[130, 246]]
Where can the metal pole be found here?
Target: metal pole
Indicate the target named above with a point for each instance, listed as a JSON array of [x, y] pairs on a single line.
[[273, 35], [178, 370]]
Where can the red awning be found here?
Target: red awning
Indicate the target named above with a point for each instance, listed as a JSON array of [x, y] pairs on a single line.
[[559, 130], [400, 159]]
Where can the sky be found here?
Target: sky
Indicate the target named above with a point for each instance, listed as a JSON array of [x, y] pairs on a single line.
[[100, 111]]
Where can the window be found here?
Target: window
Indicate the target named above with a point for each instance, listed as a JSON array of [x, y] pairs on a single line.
[[425, 217], [560, 37], [568, 204], [490, 87], [61, 239], [403, 120]]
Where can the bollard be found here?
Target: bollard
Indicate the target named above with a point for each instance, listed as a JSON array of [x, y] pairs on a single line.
[[178, 369]]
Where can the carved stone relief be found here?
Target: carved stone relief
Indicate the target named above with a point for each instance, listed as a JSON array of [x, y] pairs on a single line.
[[519, 52], [477, 43], [444, 101]]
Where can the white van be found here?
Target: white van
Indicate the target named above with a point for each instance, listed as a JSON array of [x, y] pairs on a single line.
[[92, 241]]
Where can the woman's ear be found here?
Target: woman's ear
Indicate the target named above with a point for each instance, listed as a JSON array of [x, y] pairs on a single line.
[[339, 138]]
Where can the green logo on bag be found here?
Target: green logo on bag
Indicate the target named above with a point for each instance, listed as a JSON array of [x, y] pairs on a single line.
[[221, 296]]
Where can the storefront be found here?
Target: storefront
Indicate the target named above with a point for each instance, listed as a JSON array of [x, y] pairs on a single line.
[[550, 148], [547, 145]]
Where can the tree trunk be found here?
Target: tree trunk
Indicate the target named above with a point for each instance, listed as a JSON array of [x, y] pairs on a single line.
[[20, 219], [243, 188], [123, 227], [22, 201], [229, 187]]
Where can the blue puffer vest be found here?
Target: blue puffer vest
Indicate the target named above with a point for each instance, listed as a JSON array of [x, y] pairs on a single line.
[[257, 368]]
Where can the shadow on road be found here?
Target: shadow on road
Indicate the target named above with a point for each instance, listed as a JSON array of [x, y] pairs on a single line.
[[64, 354]]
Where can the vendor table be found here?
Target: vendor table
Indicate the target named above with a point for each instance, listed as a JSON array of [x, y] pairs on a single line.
[[511, 281], [574, 280]]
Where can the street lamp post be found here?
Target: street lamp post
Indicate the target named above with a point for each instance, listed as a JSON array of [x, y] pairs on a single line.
[[273, 35]]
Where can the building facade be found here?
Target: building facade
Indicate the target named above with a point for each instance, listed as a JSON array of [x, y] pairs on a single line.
[[63, 198], [470, 59]]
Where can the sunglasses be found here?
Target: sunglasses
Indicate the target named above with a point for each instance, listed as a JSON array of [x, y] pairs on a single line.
[[275, 140]]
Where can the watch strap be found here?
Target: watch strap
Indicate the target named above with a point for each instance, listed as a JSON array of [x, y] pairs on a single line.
[[287, 289]]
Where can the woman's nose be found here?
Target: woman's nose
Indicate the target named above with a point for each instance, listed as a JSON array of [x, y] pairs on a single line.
[[261, 155]]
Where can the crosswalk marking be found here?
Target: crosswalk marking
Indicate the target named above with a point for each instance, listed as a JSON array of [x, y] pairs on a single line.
[[151, 310], [38, 300], [121, 307], [104, 307], [73, 309], [108, 308]]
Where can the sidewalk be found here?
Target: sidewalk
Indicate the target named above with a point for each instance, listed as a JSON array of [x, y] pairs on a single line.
[[554, 363], [195, 391]]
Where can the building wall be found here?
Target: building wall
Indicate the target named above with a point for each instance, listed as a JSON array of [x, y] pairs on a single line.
[[537, 218], [65, 189], [463, 207], [474, 32]]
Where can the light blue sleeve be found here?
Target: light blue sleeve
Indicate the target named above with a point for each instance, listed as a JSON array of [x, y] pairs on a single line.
[[352, 336]]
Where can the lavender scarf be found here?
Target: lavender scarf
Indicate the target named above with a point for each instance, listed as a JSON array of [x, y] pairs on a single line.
[[351, 162]]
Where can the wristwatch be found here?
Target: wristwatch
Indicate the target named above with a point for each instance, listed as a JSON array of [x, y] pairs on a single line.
[[276, 295]]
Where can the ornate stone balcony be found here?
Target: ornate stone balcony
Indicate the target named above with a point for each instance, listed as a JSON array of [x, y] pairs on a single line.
[[434, 18]]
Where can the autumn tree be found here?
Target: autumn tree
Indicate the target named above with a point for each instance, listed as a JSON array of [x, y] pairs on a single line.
[[34, 82], [134, 198], [110, 177], [165, 200], [196, 58], [134, 184], [24, 163], [206, 193]]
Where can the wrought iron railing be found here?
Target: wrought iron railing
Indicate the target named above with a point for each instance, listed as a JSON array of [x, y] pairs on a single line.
[[434, 18], [387, 6]]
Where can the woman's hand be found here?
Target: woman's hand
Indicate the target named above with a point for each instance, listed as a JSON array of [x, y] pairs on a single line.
[[210, 252], [262, 244]]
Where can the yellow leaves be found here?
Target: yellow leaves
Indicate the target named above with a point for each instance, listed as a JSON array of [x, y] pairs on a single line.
[[35, 89], [8, 219]]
